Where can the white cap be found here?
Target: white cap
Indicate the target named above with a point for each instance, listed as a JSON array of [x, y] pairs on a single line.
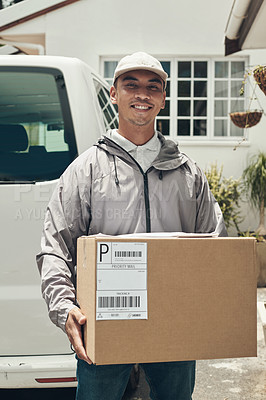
[[137, 61]]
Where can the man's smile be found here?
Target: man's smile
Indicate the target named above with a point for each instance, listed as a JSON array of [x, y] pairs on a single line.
[[141, 107]]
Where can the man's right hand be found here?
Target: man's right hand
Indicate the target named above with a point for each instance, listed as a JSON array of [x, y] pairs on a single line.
[[74, 323]]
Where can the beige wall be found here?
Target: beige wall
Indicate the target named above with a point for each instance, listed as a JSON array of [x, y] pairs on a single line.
[[89, 29]]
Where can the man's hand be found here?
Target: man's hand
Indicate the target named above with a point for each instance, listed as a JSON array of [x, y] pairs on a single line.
[[74, 323]]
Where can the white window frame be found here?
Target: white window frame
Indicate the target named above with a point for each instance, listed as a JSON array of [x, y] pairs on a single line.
[[210, 138], [103, 59], [106, 107]]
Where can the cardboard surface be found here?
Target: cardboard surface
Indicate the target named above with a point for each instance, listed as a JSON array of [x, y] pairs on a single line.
[[201, 302]]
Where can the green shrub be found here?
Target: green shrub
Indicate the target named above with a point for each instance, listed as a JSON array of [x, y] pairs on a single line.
[[227, 192], [254, 179]]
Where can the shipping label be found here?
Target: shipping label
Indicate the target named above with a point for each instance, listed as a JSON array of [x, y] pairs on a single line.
[[121, 281]]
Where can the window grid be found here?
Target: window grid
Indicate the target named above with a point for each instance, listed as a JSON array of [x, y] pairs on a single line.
[[218, 127], [191, 81], [109, 112], [163, 120], [231, 97]]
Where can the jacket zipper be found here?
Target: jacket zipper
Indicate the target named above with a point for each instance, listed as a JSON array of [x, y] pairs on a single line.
[[147, 202], [146, 188]]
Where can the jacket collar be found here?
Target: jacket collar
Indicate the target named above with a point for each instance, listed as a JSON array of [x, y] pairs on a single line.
[[168, 158]]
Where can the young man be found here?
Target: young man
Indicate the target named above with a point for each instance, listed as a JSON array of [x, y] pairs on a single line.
[[132, 180]]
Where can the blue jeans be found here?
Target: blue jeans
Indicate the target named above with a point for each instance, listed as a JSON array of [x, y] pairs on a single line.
[[167, 381]]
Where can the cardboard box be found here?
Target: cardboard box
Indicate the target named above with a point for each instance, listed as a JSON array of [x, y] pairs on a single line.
[[201, 301]]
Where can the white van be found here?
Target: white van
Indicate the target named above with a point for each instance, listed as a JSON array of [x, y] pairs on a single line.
[[51, 110]]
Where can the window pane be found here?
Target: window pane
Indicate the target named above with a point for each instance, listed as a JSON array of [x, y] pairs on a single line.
[[183, 107], [200, 108], [168, 89], [200, 69], [200, 127], [200, 89], [237, 69], [163, 125], [166, 111], [36, 129], [183, 89], [221, 69], [235, 88], [184, 69], [167, 67], [107, 115], [235, 130], [237, 105], [183, 127], [109, 68], [221, 89], [220, 127], [113, 125], [220, 108]]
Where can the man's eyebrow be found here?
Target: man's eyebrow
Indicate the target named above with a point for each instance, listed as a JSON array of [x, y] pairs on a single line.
[[156, 80]]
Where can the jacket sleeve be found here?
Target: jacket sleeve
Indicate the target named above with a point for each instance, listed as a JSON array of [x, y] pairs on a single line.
[[209, 215], [67, 218]]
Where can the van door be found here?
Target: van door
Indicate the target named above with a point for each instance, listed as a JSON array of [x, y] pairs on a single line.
[[37, 143]]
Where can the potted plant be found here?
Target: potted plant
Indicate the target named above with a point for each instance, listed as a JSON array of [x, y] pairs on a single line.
[[259, 74], [254, 179], [260, 256], [246, 119], [227, 193], [249, 118]]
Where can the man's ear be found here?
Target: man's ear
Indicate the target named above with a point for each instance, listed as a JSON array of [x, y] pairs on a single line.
[[113, 95]]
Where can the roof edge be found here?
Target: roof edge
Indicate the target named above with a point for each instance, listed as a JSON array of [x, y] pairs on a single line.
[[253, 10], [231, 46], [35, 14], [234, 45]]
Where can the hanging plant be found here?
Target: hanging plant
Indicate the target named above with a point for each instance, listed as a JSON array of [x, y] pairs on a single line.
[[259, 74], [246, 119]]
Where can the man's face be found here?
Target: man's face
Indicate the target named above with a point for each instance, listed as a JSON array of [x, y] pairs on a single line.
[[139, 96]]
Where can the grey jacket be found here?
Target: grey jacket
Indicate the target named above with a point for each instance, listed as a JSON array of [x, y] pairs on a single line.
[[105, 191]]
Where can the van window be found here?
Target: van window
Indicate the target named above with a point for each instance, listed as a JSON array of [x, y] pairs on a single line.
[[109, 111], [37, 139]]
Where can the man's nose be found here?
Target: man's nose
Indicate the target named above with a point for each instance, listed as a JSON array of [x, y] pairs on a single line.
[[142, 93]]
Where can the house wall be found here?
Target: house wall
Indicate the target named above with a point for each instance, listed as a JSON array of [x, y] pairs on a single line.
[[90, 29]]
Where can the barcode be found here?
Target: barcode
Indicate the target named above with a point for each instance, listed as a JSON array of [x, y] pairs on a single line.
[[118, 301], [128, 253]]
